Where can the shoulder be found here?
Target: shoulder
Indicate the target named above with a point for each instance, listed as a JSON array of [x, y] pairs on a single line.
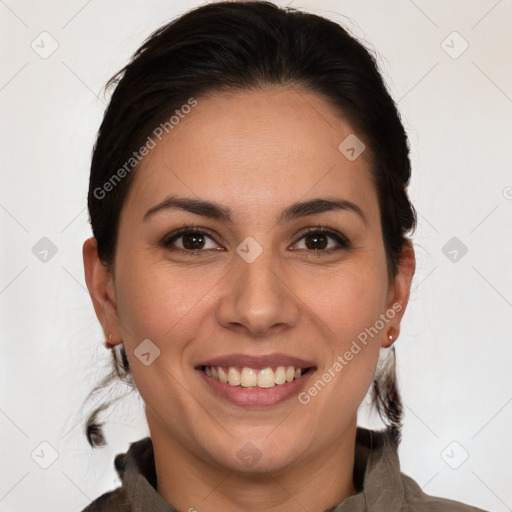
[[112, 501], [133, 467], [418, 501]]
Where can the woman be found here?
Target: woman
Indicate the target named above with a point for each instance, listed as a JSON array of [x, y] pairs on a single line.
[[250, 263]]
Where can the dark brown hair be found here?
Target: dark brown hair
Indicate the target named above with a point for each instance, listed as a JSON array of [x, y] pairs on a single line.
[[248, 45]]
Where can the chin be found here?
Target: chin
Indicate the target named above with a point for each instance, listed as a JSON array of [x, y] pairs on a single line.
[[259, 455]]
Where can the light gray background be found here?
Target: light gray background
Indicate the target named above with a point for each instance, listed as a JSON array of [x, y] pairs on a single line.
[[455, 351]]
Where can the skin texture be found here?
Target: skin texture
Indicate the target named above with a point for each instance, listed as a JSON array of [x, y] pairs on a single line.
[[256, 153]]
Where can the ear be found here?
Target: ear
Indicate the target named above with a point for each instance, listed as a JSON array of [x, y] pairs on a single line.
[[101, 286], [398, 295]]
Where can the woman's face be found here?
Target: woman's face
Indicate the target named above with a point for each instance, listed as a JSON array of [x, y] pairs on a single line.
[[254, 289]]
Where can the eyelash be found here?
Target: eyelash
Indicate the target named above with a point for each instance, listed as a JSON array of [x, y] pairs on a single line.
[[342, 240]]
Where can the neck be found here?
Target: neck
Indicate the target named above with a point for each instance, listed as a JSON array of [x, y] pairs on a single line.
[[315, 484]]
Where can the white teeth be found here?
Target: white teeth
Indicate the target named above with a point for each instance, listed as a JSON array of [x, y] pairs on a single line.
[[266, 378], [234, 377], [249, 378], [222, 375], [280, 375]]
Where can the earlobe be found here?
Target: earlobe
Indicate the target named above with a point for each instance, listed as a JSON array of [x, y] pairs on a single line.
[[100, 283], [399, 295]]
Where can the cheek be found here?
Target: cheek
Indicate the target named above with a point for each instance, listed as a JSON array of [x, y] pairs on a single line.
[[161, 304], [347, 300], [347, 306], [157, 301]]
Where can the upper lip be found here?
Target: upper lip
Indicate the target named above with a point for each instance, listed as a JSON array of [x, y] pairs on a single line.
[[257, 362]]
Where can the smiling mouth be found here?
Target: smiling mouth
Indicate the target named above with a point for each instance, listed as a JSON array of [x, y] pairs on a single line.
[[250, 378]]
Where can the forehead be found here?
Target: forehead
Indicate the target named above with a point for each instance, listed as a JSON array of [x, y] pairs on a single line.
[[256, 150]]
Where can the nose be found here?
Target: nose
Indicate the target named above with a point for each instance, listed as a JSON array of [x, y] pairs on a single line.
[[257, 299]]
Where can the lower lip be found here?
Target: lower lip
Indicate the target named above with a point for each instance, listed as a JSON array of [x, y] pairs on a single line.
[[256, 397]]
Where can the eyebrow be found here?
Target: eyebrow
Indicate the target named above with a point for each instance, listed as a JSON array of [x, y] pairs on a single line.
[[217, 211]]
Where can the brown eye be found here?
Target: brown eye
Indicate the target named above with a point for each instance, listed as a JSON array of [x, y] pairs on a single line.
[[188, 240], [318, 240], [193, 241]]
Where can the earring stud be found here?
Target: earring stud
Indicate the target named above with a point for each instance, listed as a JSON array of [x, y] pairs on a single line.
[[108, 343]]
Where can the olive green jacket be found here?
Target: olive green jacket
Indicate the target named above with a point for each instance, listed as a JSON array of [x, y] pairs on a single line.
[[380, 484]]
